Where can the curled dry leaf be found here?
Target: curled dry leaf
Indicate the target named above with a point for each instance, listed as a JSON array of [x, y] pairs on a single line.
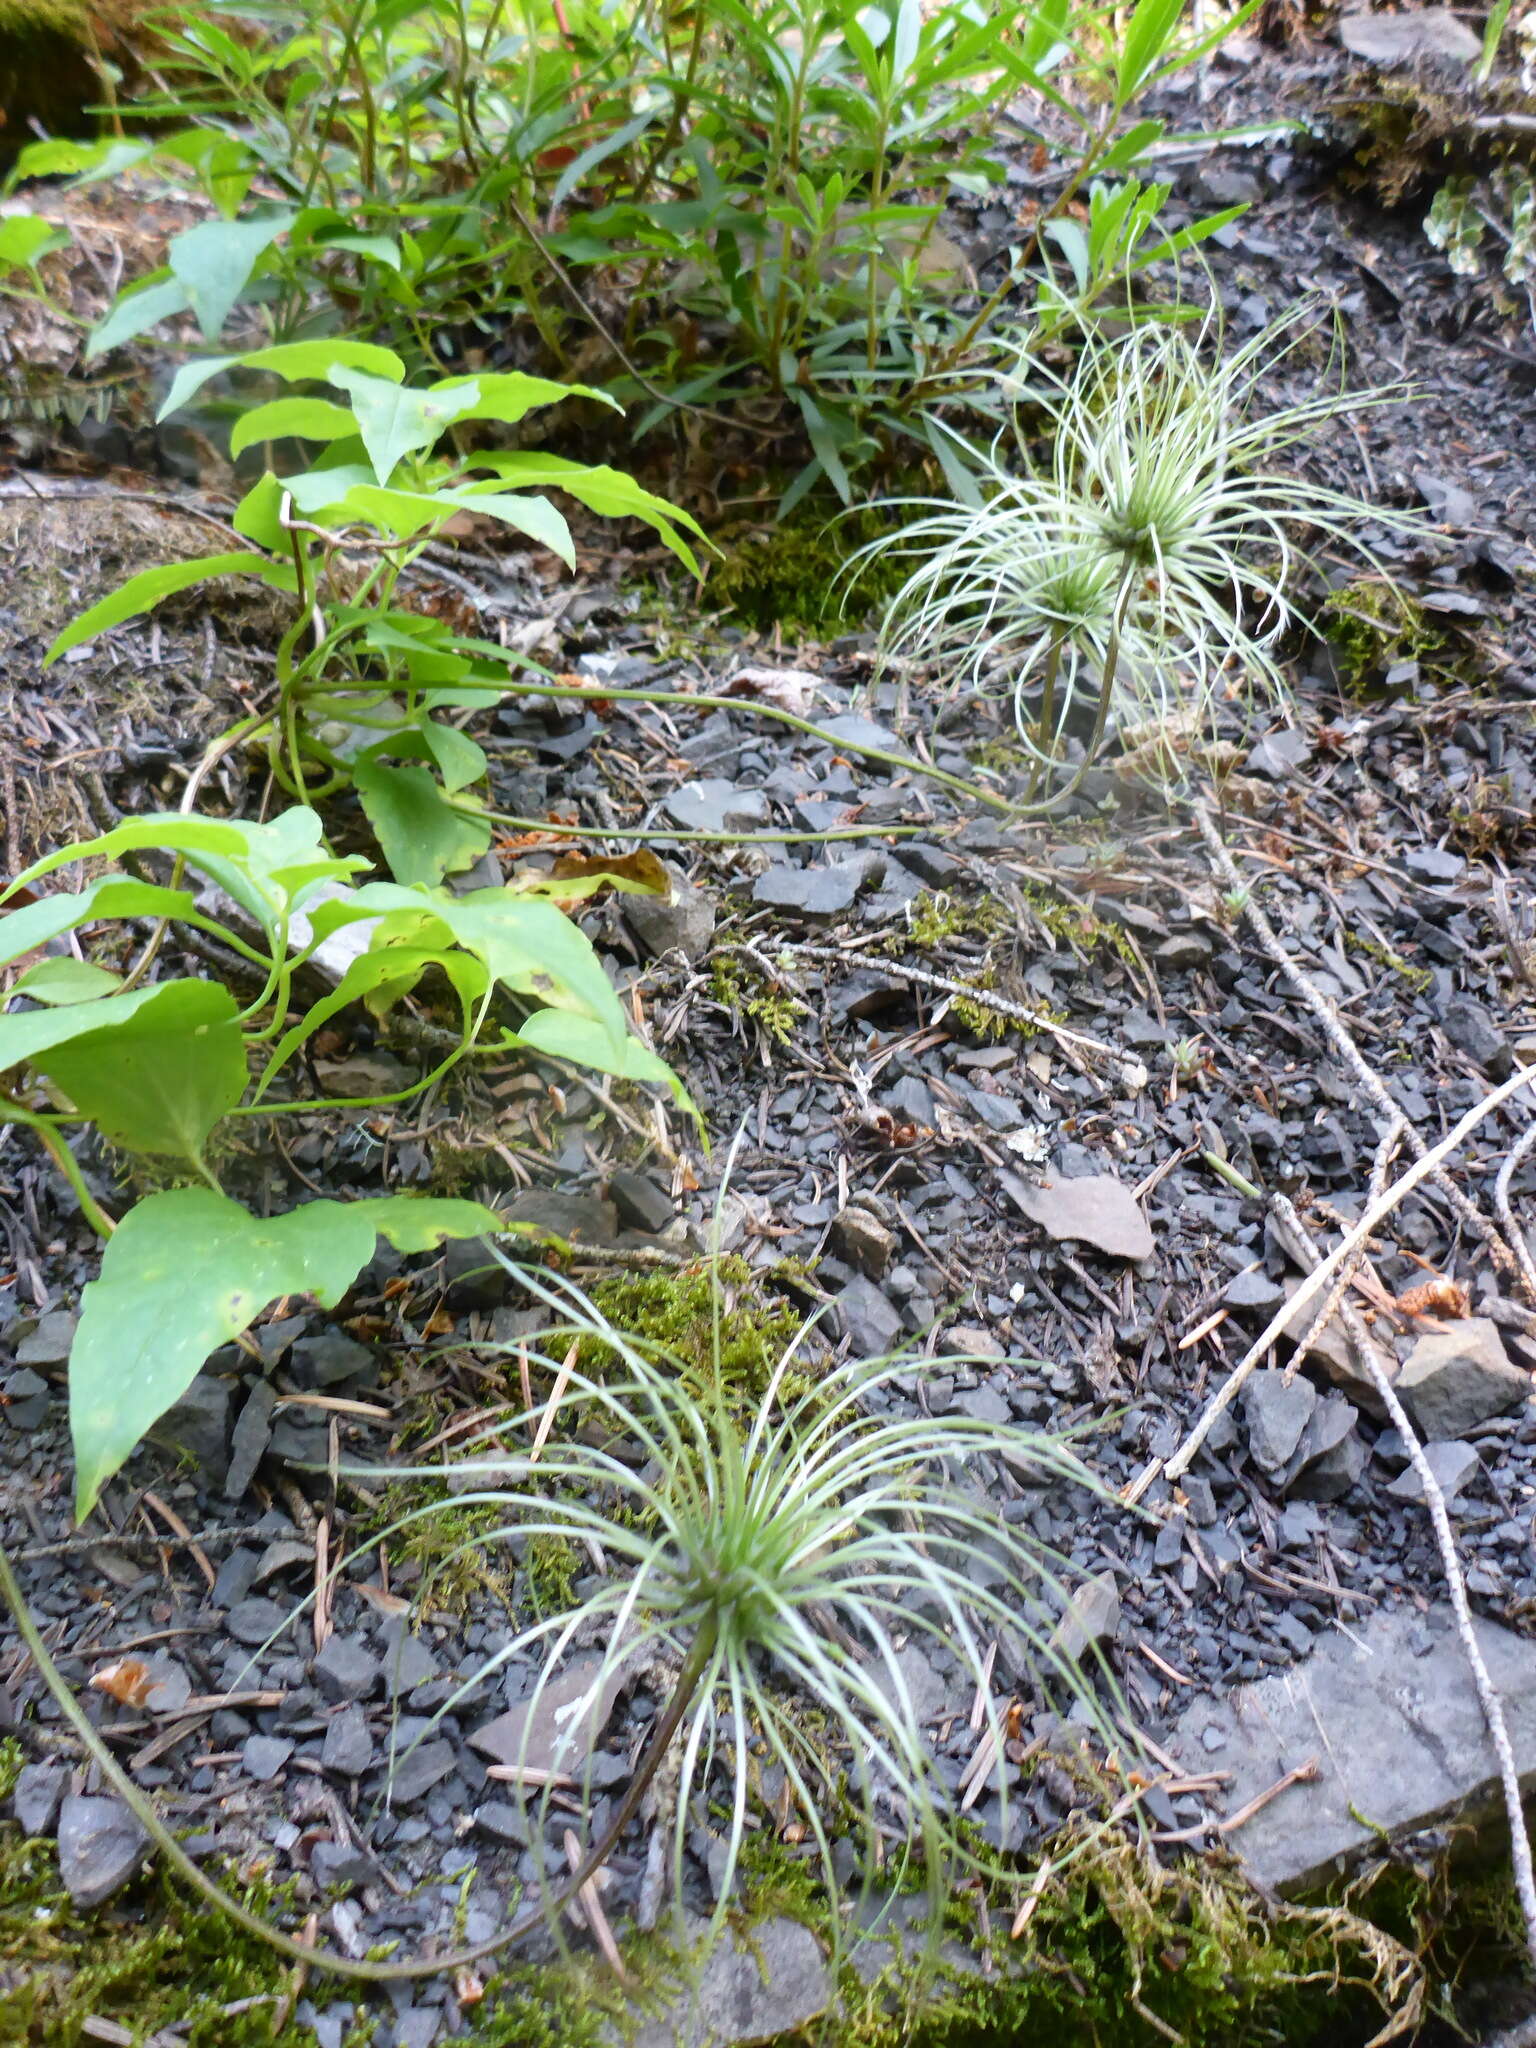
[[576, 876], [786, 689], [1436, 1297], [128, 1681]]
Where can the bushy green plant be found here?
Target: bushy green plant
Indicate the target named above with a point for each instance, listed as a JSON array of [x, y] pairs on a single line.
[[724, 203], [365, 682], [1149, 554], [156, 1066]]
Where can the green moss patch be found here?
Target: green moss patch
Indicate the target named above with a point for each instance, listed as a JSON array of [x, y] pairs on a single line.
[[797, 578]]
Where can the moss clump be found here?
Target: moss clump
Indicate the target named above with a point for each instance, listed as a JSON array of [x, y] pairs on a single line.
[[688, 1313], [1417, 978], [1371, 624], [452, 1552], [1123, 1953], [795, 576], [936, 918], [746, 993], [1076, 926], [156, 1957], [551, 1566]]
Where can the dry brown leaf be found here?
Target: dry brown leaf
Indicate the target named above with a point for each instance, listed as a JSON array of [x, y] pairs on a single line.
[[382, 1602], [1436, 1297], [128, 1681], [639, 873], [787, 689]]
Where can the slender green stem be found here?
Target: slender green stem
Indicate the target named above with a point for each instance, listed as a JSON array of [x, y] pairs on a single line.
[[1101, 715], [1047, 718], [649, 833], [681, 100], [695, 1669], [541, 688], [64, 1160]]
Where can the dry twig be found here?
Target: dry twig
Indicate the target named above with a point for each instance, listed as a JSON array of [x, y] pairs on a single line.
[[1445, 1539], [1339, 1039], [1312, 1286]]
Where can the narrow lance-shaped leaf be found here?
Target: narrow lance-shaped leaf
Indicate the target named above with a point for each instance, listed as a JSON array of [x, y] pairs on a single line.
[[292, 360], [143, 592]]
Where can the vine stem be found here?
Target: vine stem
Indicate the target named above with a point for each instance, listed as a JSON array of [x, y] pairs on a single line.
[[696, 1666]]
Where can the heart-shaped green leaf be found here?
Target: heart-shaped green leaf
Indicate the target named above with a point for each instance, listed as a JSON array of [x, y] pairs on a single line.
[[158, 1077], [189, 1270], [213, 263], [423, 836], [395, 422]]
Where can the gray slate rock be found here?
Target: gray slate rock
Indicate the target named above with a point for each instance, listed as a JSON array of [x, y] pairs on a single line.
[[26, 1399], [329, 1357], [544, 1734], [861, 1240], [49, 1343], [752, 1989], [1470, 1027], [1398, 1736], [252, 1434], [407, 1661], [1396, 39], [1449, 503], [1092, 1617], [334, 1864], [1333, 1355], [418, 1770], [1094, 1209], [1277, 755], [1276, 1414], [101, 1845], [855, 730], [818, 893], [642, 1203], [1452, 1464], [263, 1756], [935, 865], [1460, 1376], [683, 922], [1435, 864], [348, 1748], [871, 1323], [716, 805], [252, 1621], [1330, 1457], [198, 1427], [35, 1799], [1253, 1289], [345, 1669]]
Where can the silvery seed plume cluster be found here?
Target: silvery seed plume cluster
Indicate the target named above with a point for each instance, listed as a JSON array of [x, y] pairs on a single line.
[[1138, 537]]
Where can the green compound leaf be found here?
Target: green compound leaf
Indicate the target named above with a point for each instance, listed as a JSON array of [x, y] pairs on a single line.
[[190, 1270]]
